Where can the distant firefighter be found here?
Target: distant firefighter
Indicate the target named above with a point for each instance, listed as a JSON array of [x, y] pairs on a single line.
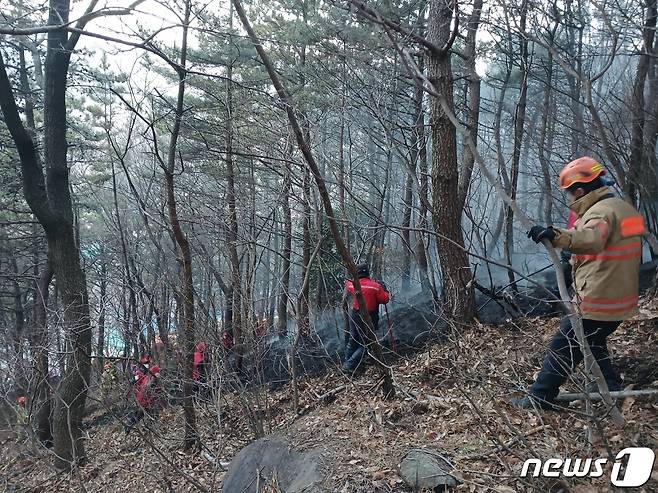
[[22, 418], [148, 394], [201, 368], [109, 378]]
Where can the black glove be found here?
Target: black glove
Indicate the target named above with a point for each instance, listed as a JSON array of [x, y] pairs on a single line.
[[540, 233]]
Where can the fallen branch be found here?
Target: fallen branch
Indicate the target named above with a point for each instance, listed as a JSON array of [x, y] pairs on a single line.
[[500, 448], [500, 299], [321, 399], [328, 395], [595, 396]]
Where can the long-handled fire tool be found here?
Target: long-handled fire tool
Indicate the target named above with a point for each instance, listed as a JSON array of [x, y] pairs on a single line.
[[390, 335]]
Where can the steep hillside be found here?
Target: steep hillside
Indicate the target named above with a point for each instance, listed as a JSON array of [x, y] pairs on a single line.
[[451, 398]]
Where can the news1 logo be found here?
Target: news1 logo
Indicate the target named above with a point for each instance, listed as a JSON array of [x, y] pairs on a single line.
[[636, 471]]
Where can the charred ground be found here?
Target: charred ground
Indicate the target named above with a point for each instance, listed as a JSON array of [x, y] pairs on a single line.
[[451, 397]]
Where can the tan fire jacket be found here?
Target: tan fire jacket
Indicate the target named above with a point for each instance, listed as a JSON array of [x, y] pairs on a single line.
[[606, 250]]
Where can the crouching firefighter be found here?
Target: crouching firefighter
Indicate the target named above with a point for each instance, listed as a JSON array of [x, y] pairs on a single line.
[[375, 294], [148, 394], [606, 250]]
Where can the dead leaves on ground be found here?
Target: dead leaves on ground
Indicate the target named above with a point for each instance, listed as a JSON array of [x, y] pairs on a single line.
[[450, 397]]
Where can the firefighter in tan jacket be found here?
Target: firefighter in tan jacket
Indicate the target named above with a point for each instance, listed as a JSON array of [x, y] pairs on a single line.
[[606, 250]]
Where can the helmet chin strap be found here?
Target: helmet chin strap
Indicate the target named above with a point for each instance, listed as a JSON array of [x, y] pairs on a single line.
[[573, 196]]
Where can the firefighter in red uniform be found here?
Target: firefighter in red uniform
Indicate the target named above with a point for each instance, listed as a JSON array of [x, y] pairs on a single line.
[[375, 294], [147, 394], [200, 369], [199, 363]]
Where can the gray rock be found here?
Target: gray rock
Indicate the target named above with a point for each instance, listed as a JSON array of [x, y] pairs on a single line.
[[295, 471], [428, 469]]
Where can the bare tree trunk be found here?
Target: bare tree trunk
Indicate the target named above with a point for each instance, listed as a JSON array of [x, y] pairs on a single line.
[[64, 255], [72, 390], [519, 123], [131, 312], [341, 153], [643, 156], [227, 290], [426, 277], [458, 296], [408, 200], [39, 344], [284, 293], [303, 318], [499, 146], [546, 137], [125, 320], [387, 386], [638, 104], [377, 246], [649, 189], [20, 382], [100, 345], [473, 99], [232, 230], [406, 219], [191, 436], [574, 23]]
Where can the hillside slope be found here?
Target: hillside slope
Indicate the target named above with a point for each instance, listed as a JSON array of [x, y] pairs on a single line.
[[451, 397]]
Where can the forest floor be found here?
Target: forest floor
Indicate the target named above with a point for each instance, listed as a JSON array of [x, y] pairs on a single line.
[[451, 398]]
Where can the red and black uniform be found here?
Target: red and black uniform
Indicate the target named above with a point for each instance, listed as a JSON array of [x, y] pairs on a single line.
[[201, 370], [147, 394], [374, 294], [199, 362]]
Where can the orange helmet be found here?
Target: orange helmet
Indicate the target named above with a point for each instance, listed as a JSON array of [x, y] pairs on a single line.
[[22, 400], [582, 170]]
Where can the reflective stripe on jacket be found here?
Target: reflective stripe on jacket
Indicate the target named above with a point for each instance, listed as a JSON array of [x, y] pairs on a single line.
[[606, 250], [373, 292]]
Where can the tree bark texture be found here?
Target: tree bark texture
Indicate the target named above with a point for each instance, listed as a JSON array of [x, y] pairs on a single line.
[[50, 200], [458, 295], [191, 435]]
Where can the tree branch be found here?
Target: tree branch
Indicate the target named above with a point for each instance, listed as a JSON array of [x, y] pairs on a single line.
[[34, 183], [80, 23], [376, 17]]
